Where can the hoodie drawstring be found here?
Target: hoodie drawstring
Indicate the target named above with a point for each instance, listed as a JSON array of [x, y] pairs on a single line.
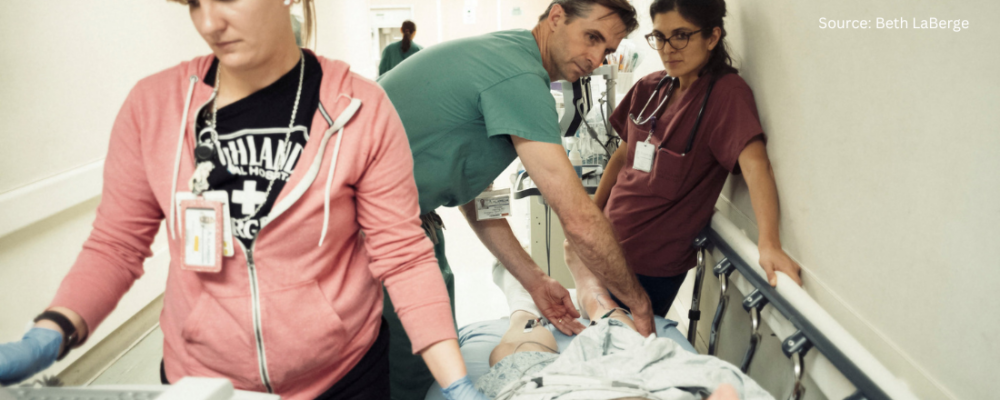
[[177, 160], [329, 182], [339, 126]]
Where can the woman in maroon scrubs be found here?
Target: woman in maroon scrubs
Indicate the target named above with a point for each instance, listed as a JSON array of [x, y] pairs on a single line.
[[686, 129]]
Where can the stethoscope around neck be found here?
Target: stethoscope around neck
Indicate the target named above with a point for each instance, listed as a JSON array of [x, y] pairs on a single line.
[[651, 118]]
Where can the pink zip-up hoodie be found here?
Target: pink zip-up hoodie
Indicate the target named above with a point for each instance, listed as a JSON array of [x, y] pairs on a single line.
[[294, 313]]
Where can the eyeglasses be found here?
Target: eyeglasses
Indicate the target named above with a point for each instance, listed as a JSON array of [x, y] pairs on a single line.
[[678, 41]]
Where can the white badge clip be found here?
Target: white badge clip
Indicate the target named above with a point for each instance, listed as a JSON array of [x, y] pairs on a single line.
[[644, 153], [227, 224], [202, 226], [493, 204]]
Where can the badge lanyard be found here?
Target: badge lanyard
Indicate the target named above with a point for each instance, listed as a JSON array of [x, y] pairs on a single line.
[[206, 221], [645, 152]]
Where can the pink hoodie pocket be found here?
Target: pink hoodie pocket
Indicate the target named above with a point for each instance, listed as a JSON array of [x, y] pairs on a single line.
[[218, 335], [303, 334]]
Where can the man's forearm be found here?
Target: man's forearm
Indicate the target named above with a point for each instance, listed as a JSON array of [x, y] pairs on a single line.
[[586, 228], [497, 236], [597, 246]]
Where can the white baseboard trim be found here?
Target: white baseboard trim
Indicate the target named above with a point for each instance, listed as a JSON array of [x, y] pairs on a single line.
[[29, 204]]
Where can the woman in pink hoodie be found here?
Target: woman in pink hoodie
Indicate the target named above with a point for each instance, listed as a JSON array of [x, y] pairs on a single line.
[[312, 175]]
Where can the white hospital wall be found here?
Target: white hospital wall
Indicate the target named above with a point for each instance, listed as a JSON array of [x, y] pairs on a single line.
[[447, 15], [343, 32], [65, 69], [885, 149]]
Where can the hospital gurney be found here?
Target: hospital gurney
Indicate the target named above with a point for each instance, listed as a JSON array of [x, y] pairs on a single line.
[[478, 339]]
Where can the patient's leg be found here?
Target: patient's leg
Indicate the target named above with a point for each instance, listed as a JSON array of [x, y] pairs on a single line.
[[591, 295], [522, 310], [518, 339], [517, 296]]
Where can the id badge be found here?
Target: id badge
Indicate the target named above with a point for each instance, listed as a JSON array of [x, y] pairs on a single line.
[[202, 226], [227, 224], [493, 204], [644, 153]]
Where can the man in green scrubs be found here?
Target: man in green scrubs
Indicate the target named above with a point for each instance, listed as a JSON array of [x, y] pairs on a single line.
[[470, 107]]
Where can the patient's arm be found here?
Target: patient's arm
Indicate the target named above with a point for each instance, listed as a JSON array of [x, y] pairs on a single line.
[[591, 295]]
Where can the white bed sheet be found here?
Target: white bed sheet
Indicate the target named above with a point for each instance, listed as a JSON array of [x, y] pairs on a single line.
[[478, 339]]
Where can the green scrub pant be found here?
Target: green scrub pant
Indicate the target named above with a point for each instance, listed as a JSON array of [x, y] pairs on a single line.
[[409, 377]]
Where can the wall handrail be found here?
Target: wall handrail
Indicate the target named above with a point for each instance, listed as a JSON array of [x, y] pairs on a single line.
[[857, 364], [27, 205]]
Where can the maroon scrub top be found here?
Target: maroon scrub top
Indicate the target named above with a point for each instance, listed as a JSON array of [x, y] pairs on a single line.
[[658, 214]]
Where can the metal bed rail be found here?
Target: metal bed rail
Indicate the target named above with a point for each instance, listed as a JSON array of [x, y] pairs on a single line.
[[814, 327]]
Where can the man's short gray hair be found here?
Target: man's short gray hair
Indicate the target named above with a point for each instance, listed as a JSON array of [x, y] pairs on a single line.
[[582, 8]]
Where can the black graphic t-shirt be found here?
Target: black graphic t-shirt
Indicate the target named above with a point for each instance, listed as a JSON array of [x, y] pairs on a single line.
[[254, 154]]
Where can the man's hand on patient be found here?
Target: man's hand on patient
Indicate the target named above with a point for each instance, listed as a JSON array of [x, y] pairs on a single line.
[[556, 305], [642, 315]]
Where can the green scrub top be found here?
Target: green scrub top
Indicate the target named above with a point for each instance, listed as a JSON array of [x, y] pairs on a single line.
[[459, 102], [393, 54]]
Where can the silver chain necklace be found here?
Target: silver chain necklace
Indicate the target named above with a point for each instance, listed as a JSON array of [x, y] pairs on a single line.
[[215, 134]]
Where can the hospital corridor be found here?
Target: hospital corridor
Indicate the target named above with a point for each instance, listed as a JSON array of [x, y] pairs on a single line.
[[499, 199]]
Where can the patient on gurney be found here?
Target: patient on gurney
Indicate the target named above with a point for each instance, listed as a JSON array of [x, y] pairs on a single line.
[[609, 360]]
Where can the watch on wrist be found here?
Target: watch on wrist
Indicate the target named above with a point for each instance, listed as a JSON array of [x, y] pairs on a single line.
[[70, 335]]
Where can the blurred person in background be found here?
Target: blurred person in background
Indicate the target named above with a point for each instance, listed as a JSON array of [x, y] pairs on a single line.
[[396, 52]]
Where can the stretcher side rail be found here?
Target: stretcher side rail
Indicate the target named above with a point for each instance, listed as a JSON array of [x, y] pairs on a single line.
[[872, 380]]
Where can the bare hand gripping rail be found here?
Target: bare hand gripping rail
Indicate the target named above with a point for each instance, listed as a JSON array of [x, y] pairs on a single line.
[[872, 380]]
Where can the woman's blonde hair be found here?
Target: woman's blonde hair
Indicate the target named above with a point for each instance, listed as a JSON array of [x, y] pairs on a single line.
[[308, 23]]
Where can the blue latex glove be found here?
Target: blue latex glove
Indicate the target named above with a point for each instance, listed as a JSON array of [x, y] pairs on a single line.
[[36, 351], [463, 389]]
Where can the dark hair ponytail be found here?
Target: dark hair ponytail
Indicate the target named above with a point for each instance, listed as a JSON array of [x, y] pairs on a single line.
[[707, 14], [408, 29]]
